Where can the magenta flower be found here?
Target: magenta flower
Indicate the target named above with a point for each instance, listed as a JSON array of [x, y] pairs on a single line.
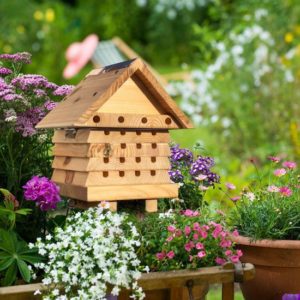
[[189, 246], [171, 228], [43, 191], [187, 230], [235, 233], [170, 254], [235, 259], [5, 71], [21, 57], [275, 159], [285, 191], [199, 246], [279, 172], [201, 254], [228, 252], [160, 255], [63, 90], [230, 186], [289, 164], [220, 261], [225, 243], [273, 189], [235, 199], [190, 213]]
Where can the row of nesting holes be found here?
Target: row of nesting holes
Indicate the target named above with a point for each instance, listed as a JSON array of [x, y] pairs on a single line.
[[123, 132], [122, 160], [136, 173], [138, 145], [121, 119]]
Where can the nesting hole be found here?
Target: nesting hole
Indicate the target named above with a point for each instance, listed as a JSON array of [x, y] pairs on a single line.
[[106, 160], [121, 119], [105, 174], [153, 159], [153, 132], [152, 172], [96, 119], [137, 173], [138, 146], [138, 133], [144, 120], [154, 146], [95, 94], [122, 160], [121, 173], [77, 99], [106, 132], [123, 146], [138, 159], [168, 121], [123, 132]]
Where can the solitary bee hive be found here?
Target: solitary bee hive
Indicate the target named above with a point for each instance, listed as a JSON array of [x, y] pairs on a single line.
[[112, 135]]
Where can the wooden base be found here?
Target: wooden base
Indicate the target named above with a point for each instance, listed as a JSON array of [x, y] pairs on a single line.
[[151, 205]]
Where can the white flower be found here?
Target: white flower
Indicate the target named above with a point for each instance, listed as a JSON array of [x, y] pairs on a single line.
[[37, 292]]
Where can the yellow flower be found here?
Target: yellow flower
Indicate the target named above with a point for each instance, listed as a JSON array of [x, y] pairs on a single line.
[[288, 37], [20, 29], [7, 48], [38, 15], [49, 15]]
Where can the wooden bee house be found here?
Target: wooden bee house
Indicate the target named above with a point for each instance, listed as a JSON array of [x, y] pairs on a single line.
[[111, 138]]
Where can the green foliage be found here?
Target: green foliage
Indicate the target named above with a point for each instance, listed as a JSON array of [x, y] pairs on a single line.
[[15, 256]]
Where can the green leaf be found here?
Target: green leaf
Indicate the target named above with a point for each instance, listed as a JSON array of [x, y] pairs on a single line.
[[5, 263], [23, 211], [4, 255], [8, 241], [24, 270], [10, 275], [32, 259]]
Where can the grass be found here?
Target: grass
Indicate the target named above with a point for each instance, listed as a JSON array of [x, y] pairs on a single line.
[[215, 293]]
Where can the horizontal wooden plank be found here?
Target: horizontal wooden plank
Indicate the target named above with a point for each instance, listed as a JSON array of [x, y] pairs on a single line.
[[109, 136], [111, 177], [113, 163], [112, 150], [119, 192], [106, 120]]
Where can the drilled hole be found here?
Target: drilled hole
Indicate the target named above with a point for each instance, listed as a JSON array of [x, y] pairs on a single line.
[[123, 132], [123, 146], [106, 132], [106, 160], [144, 120], [153, 133], [77, 99], [96, 119], [138, 159], [121, 173], [153, 159], [122, 159], [153, 172], [121, 119], [95, 94], [105, 174], [168, 121], [138, 133], [154, 146], [138, 146], [137, 173], [116, 72]]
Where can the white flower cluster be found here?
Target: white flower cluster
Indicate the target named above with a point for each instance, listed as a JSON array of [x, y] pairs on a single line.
[[95, 251], [171, 8], [249, 53]]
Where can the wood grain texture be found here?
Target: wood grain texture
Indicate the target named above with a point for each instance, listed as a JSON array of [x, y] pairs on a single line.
[[112, 150], [118, 192], [112, 136], [112, 163], [135, 121], [151, 205], [106, 178], [95, 89]]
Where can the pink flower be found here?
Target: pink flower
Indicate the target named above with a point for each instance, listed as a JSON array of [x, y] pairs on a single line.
[[217, 231], [239, 253], [235, 259], [228, 252], [235, 233], [220, 261], [178, 232], [190, 213], [275, 159], [279, 172], [203, 233], [160, 255], [220, 212], [289, 164], [203, 188], [235, 199], [196, 226], [285, 191], [170, 254], [201, 177], [171, 228], [201, 254], [195, 236], [225, 243], [169, 238], [273, 189], [230, 186], [187, 230], [189, 246], [199, 246], [191, 257]]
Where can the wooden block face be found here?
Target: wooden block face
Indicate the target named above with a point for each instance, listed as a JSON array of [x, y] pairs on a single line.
[[110, 163], [118, 192], [110, 178], [105, 120], [112, 150], [109, 136]]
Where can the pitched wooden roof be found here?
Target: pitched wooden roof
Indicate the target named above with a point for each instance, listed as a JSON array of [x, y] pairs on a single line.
[[99, 86]]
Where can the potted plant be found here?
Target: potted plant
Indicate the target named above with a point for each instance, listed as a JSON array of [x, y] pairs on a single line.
[[267, 215]]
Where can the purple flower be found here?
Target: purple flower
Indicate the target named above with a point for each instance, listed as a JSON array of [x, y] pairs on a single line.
[[31, 81], [63, 90], [49, 105], [43, 191], [22, 57], [5, 71], [291, 297], [180, 155], [176, 176]]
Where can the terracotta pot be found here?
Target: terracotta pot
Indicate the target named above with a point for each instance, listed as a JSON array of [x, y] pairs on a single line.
[[277, 265]]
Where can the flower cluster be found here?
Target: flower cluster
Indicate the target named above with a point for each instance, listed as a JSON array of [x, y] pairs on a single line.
[[22, 57], [96, 248], [44, 192], [192, 243]]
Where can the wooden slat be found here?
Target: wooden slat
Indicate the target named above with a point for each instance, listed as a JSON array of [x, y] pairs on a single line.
[[111, 136], [113, 163], [106, 120], [118, 192], [116, 150], [111, 177]]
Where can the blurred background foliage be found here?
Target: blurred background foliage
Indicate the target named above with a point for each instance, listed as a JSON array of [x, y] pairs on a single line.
[[241, 59]]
